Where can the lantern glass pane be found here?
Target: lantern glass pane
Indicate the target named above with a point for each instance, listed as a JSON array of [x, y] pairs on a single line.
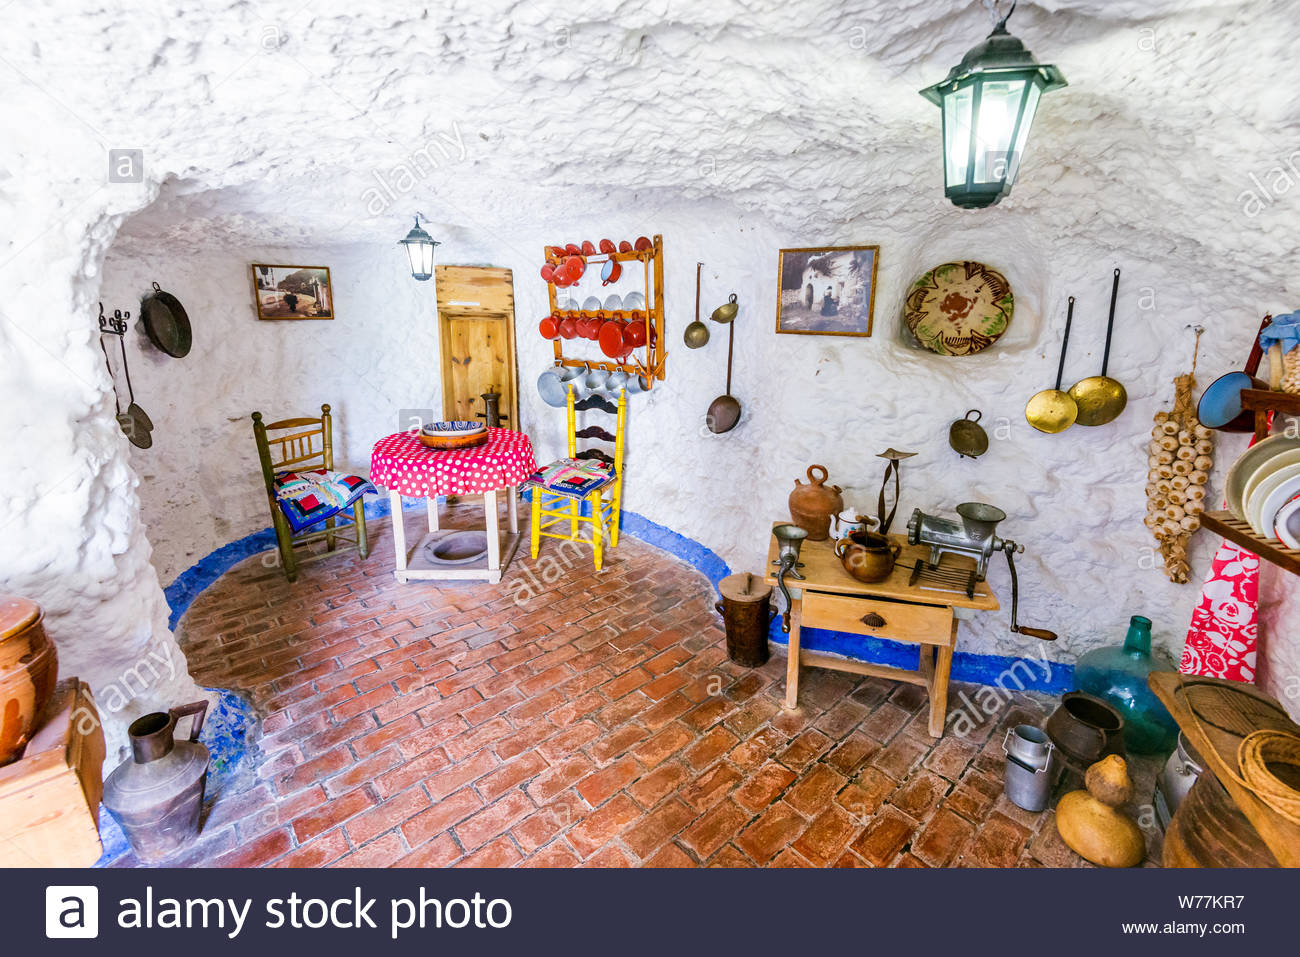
[[956, 134], [995, 125], [1026, 120]]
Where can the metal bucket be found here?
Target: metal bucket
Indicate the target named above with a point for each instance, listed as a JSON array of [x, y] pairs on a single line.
[[1031, 767]]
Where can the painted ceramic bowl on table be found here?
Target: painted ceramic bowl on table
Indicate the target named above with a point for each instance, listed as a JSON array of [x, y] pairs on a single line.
[[456, 434], [29, 668]]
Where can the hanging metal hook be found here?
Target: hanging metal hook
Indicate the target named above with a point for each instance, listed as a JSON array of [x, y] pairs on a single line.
[[115, 326]]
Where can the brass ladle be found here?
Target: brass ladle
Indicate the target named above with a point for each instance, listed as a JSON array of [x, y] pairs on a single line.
[[1100, 398], [1052, 410]]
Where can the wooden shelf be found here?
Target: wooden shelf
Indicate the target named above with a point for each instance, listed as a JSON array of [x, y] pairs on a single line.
[[1264, 401], [1235, 530], [655, 349]]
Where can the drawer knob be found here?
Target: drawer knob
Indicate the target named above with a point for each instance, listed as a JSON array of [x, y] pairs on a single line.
[[872, 620]]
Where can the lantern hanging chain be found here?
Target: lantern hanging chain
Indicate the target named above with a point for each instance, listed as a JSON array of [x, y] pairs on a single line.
[[999, 19]]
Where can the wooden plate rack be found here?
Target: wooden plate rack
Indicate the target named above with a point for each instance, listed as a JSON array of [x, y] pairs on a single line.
[[1261, 402], [653, 368]]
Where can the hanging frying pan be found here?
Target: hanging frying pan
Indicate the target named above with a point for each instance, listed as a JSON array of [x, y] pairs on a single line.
[[166, 323], [135, 422], [1220, 405]]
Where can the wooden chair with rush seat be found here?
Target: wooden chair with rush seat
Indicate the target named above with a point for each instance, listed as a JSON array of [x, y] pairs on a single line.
[[590, 476], [303, 489]]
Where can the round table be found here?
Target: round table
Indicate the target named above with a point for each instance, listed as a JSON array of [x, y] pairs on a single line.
[[405, 466]]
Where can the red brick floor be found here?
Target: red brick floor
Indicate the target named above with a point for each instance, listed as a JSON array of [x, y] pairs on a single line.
[[598, 723]]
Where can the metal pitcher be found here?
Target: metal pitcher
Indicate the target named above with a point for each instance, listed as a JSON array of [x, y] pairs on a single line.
[[156, 796]]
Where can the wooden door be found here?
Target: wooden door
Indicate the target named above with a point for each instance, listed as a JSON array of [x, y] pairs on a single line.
[[476, 331]]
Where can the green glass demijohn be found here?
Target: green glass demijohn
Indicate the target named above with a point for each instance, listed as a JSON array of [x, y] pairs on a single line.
[[1119, 676]]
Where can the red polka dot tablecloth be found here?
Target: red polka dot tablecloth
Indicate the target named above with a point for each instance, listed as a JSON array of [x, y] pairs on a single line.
[[401, 463]]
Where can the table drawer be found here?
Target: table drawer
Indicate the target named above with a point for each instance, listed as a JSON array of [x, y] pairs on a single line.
[[880, 619]]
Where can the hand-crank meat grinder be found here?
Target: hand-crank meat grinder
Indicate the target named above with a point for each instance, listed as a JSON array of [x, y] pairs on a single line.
[[973, 536]]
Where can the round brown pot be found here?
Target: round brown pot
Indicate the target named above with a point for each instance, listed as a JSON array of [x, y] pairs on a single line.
[[29, 668], [812, 505]]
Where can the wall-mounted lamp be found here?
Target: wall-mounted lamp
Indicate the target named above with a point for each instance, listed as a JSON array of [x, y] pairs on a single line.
[[988, 102], [419, 247]]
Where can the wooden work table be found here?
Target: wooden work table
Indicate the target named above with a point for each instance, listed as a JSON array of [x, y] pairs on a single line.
[[893, 609]]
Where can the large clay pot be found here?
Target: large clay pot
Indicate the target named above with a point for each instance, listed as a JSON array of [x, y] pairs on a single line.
[[1085, 729], [812, 505], [157, 794], [29, 668], [867, 556]]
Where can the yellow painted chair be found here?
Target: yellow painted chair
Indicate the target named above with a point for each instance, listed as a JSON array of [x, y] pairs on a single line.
[[591, 476], [303, 489]]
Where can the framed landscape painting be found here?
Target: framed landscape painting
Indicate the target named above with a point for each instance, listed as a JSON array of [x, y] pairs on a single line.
[[827, 290], [293, 292]]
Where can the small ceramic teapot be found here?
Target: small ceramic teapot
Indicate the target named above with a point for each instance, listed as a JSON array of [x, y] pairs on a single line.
[[812, 505], [867, 556]]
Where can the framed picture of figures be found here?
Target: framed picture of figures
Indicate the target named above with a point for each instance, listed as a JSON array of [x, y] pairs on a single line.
[[292, 292], [827, 290]]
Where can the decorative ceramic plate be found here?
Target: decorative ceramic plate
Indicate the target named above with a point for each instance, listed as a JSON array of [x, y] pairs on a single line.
[[959, 308], [1269, 496], [1266, 468], [1251, 459]]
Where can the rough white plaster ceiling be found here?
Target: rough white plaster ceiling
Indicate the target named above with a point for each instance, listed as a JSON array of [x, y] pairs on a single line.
[[800, 113]]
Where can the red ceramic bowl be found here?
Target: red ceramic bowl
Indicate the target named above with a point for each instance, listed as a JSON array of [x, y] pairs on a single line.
[[573, 249], [569, 328], [548, 272], [625, 247], [587, 248], [607, 246], [549, 328], [643, 243]]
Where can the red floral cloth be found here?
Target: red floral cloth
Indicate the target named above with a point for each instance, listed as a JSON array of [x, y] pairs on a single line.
[[1224, 631], [401, 463]]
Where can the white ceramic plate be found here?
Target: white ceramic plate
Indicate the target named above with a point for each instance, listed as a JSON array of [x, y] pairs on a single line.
[[1271, 504], [614, 302], [634, 300], [1267, 468], [1256, 517], [1286, 524], [591, 304], [1246, 464]]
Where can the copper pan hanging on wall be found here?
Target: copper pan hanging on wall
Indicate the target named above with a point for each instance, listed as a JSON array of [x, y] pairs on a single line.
[[166, 323]]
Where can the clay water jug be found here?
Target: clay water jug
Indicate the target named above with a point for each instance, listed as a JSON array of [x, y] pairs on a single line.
[[29, 668], [156, 795], [812, 505]]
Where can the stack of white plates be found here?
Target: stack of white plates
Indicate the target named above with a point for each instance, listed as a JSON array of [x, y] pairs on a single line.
[[1263, 488]]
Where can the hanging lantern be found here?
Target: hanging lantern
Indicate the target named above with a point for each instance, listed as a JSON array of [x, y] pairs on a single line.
[[419, 246], [988, 102]]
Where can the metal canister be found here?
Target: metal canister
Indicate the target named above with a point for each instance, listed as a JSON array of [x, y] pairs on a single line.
[[1031, 767], [1176, 779], [746, 610]]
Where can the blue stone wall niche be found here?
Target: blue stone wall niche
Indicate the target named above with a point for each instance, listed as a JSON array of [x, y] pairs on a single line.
[[227, 730]]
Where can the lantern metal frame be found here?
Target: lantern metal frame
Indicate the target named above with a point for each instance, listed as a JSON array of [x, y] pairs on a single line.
[[418, 237], [1001, 57]]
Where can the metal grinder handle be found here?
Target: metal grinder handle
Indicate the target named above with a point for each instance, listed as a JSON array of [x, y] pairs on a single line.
[[1010, 548]]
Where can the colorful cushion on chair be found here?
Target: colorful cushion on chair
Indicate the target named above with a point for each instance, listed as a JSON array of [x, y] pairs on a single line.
[[575, 477], [310, 497]]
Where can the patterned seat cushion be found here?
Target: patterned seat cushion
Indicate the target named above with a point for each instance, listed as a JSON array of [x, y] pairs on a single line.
[[310, 497], [576, 478]]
